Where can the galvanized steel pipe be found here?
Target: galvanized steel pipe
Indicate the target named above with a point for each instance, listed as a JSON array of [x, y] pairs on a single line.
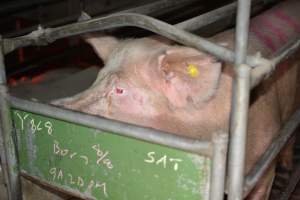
[[240, 104], [45, 36], [218, 169]]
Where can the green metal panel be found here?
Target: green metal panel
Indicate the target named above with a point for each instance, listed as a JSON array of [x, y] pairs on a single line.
[[105, 165]]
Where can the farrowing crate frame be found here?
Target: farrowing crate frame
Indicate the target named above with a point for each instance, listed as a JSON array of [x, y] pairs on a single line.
[[250, 70]]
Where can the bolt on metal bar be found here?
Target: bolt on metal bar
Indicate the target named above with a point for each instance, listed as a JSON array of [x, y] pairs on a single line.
[[45, 36], [120, 128], [285, 133], [217, 177], [240, 104], [6, 134]]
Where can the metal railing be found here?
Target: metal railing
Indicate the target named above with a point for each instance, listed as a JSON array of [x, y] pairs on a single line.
[[250, 70]]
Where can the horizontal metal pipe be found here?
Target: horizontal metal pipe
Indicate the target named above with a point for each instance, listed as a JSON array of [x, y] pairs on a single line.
[[120, 128], [45, 36], [152, 9], [272, 151]]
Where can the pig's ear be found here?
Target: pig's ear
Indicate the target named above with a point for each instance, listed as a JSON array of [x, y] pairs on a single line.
[[189, 76], [102, 44]]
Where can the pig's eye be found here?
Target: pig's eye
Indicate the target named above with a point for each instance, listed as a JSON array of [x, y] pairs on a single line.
[[119, 90]]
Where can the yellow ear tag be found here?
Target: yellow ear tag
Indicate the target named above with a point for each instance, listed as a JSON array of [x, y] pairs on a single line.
[[192, 70]]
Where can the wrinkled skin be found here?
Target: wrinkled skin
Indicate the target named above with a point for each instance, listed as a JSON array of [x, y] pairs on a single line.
[[148, 82]]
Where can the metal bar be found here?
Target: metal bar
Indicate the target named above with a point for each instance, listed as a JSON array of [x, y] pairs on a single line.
[[6, 134], [152, 9], [240, 104], [124, 129], [242, 29], [272, 151], [45, 36], [260, 72], [217, 177]]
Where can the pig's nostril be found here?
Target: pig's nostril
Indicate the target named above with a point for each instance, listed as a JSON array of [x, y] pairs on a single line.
[[119, 90]]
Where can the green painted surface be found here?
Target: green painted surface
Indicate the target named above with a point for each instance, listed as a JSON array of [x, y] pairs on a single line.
[[104, 165]]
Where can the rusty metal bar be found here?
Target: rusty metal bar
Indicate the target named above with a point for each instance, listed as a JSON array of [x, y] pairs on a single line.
[[9, 161], [240, 104], [217, 177]]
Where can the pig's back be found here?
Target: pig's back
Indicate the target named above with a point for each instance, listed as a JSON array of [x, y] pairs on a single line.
[[272, 30]]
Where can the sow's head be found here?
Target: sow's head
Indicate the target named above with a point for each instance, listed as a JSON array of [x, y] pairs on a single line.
[[152, 83]]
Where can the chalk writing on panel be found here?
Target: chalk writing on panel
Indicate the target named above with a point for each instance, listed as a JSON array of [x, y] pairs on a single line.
[[105, 165]]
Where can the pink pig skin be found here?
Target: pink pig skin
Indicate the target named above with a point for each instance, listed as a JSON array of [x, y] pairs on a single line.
[[146, 82]]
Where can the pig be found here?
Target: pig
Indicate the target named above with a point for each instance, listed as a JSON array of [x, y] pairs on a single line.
[[185, 91]]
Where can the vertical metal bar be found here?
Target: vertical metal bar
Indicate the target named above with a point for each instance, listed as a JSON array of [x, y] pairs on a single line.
[[6, 134], [240, 104], [242, 29], [217, 178]]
